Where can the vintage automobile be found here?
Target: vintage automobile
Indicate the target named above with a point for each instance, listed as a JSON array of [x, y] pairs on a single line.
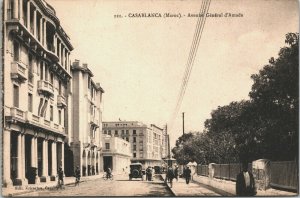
[[136, 171]]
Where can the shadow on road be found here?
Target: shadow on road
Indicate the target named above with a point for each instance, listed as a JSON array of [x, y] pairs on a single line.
[[158, 189]]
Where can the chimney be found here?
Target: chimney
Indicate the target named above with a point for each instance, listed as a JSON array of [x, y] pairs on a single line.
[[85, 65], [76, 63]]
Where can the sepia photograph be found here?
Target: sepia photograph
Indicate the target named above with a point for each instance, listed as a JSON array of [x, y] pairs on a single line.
[[152, 98]]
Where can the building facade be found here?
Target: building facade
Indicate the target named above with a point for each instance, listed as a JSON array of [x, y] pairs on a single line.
[[146, 142], [36, 77], [116, 154], [85, 138]]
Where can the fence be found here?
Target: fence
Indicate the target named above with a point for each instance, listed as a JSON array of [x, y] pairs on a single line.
[[284, 175], [202, 170], [223, 171]]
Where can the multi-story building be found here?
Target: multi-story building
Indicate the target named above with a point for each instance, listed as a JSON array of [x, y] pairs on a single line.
[[165, 143], [116, 154], [146, 142], [36, 75], [85, 138]]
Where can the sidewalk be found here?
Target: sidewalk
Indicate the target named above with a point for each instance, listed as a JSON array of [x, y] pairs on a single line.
[[180, 188], [229, 187], [19, 190]]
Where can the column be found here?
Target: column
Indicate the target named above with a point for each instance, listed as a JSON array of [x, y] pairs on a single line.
[[55, 44], [6, 159], [59, 52], [45, 162], [34, 24], [28, 15], [45, 33], [23, 159], [32, 153], [19, 162], [63, 156], [41, 30], [54, 161], [21, 11], [36, 158], [16, 9], [63, 57]]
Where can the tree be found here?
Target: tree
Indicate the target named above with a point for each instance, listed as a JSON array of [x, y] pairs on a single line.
[[275, 93]]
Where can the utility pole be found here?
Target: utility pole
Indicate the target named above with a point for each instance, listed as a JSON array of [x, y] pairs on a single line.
[[183, 123]]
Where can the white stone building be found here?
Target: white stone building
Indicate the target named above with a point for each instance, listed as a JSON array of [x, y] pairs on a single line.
[[36, 78], [85, 136], [116, 154], [146, 142]]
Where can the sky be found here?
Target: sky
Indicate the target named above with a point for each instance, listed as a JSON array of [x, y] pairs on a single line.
[[140, 62]]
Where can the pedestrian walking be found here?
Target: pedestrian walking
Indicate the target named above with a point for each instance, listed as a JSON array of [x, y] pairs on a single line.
[[149, 174], [60, 175], [245, 184], [170, 176], [187, 175], [108, 173], [77, 175], [176, 173]]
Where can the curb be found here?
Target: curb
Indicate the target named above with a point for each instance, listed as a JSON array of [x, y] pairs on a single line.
[[168, 187]]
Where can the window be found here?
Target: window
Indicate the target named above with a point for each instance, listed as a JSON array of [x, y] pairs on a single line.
[[122, 132], [116, 132], [107, 146], [89, 82], [10, 9], [46, 72], [59, 87], [16, 96], [134, 139], [29, 102], [51, 113], [51, 78], [30, 73], [134, 132], [105, 132], [109, 132], [16, 51], [59, 116], [41, 70], [134, 155], [127, 139], [127, 132], [134, 147]]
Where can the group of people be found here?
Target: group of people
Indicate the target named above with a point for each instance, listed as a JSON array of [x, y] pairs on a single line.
[[173, 174]]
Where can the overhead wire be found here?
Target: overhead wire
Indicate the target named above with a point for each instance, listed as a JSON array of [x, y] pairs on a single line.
[[192, 54]]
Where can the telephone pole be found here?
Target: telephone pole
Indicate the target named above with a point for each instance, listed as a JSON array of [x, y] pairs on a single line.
[[183, 123]]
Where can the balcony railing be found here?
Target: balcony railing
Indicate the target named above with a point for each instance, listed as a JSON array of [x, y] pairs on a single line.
[[94, 121], [15, 112], [45, 87], [61, 102], [18, 71]]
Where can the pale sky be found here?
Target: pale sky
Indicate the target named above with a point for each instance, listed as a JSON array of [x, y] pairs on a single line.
[[140, 62]]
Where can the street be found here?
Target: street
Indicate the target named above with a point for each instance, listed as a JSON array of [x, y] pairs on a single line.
[[120, 186]]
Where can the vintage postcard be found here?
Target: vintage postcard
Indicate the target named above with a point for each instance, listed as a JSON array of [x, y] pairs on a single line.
[[150, 98]]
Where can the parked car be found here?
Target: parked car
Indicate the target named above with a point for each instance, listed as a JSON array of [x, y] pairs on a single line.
[[136, 171]]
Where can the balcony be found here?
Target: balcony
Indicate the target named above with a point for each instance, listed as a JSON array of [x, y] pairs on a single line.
[[18, 71], [61, 101], [94, 121], [45, 87]]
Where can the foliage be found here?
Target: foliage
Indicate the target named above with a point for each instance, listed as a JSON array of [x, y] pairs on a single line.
[[266, 126]]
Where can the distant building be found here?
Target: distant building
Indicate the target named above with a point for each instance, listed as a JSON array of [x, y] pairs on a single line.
[[85, 138], [36, 79], [116, 154], [146, 142]]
